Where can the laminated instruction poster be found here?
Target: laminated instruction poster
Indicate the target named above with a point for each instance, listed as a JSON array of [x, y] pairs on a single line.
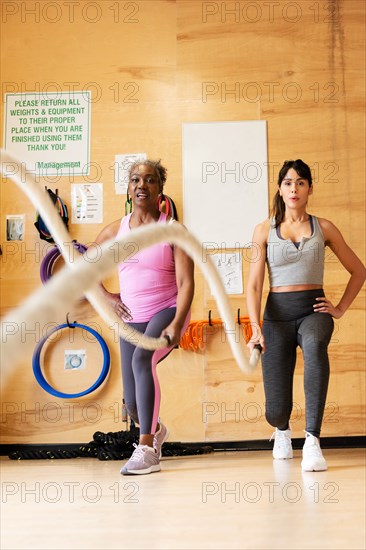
[[49, 132], [87, 203]]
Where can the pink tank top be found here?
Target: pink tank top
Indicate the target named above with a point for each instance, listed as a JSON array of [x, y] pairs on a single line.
[[147, 278]]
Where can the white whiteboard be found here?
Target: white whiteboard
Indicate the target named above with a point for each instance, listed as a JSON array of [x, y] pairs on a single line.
[[225, 181]]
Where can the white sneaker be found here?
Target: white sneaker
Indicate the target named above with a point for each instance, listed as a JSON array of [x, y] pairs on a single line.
[[312, 456], [282, 448]]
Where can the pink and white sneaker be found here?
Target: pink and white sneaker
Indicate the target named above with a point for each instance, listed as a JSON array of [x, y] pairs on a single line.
[[159, 438], [144, 460]]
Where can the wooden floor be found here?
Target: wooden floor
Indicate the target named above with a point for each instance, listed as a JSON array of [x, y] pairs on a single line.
[[231, 500]]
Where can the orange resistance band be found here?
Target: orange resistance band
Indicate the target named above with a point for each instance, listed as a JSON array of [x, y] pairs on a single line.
[[195, 336]]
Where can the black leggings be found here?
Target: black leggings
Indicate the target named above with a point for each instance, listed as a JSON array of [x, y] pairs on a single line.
[[140, 382], [289, 321]]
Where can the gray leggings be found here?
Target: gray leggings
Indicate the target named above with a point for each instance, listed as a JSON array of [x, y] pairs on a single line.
[[289, 321], [140, 382]]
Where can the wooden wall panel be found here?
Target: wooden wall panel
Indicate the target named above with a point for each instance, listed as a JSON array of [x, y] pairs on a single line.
[[152, 65]]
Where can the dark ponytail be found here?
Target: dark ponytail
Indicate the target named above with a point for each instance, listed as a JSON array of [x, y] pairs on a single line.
[[278, 207]]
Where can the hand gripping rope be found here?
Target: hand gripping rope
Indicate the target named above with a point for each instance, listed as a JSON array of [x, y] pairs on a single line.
[[14, 169], [69, 284]]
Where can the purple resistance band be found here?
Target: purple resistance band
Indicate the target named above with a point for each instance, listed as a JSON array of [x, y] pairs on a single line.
[[51, 258]]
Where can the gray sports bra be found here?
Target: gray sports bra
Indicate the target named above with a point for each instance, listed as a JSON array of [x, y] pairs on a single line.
[[295, 264]]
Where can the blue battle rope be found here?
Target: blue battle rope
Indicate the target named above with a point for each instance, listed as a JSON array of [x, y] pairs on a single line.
[[36, 364]]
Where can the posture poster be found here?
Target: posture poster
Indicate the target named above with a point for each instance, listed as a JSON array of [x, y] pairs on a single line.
[[87, 203], [225, 181], [50, 132], [229, 267]]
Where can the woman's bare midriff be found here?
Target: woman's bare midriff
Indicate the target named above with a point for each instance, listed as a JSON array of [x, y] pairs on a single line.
[[294, 288]]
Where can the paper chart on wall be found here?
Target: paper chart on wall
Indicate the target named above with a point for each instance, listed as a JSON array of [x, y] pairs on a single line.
[[87, 203], [229, 266]]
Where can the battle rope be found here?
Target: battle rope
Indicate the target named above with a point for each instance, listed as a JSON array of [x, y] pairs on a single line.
[[48, 262], [108, 446], [12, 168], [80, 279]]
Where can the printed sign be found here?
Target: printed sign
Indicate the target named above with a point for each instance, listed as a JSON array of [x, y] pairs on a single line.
[[49, 132]]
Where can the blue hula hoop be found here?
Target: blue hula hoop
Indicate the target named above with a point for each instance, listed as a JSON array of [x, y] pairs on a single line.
[[36, 363]]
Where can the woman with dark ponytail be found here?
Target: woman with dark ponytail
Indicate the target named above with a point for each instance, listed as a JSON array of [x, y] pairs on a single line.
[[303, 171], [297, 313]]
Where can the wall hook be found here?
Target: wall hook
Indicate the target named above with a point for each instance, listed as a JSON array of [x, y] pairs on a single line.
[[209, 318]]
